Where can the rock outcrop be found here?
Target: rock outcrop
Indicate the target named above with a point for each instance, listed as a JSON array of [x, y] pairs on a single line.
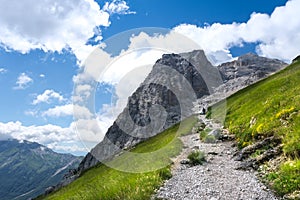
[[163, 99], [240, 73], [251, 66]]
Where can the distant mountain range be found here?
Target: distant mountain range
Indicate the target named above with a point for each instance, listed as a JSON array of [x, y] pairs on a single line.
[[28, 168]]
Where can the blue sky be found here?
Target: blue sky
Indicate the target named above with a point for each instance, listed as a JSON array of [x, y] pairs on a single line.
[[170, 13], [43, 48]]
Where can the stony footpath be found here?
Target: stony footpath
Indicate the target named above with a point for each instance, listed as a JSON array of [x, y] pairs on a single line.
[[216, 179]]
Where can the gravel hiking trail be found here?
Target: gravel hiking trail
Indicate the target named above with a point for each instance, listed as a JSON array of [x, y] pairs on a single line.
[[216, 179]]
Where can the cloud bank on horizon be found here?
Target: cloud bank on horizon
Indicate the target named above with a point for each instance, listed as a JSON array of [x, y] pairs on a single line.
[[54, 26]]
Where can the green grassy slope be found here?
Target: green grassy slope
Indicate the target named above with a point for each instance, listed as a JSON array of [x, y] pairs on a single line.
[[103, 182], [271, 107]]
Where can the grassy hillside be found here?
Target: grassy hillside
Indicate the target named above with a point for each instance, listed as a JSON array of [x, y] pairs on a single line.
[[271, 107], [103, 182]]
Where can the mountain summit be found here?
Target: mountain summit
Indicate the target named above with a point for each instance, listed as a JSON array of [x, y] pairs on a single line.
[[173, 78]]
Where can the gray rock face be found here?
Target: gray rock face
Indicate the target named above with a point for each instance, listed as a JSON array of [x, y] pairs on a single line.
[[250, 65], [168, 94], [159, 102], [244, 71]]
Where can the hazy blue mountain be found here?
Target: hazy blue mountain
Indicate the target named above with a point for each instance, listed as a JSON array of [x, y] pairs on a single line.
[[28, 168]]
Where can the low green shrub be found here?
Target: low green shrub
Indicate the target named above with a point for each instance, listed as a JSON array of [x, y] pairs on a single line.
[[196, 158], [204, 133], [165, 174]]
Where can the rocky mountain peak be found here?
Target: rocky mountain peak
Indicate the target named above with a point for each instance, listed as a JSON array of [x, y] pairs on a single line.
[[157, 104]]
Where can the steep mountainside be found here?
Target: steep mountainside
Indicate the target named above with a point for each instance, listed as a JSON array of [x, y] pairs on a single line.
[[175, 83], [166, 86], [27, 169]]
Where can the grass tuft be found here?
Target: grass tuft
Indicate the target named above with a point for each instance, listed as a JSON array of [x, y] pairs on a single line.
[[196, 158]]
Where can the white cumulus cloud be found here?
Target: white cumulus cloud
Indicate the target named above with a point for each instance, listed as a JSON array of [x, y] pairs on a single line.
[[277, 34], [3, 70], [23, 81], [47, 96], [59, 111], [117, 6], [88, 130], [53, 25], [68, 110]]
